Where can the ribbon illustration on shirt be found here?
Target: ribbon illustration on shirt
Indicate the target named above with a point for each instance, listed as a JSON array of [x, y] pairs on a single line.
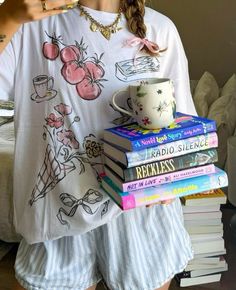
[[143, 42]]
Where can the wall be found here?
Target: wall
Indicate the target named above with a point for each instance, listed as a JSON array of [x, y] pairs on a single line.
[[208, 32]]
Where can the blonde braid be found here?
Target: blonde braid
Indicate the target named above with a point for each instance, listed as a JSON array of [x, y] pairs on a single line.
[[134, 11]]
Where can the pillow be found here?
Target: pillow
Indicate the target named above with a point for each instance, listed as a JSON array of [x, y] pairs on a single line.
[[206, 92], [223, 112], [217, 109], [230, 86], [193, 84]]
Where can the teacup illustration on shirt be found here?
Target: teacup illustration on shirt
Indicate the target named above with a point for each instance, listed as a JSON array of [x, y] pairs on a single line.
[[43, 86]]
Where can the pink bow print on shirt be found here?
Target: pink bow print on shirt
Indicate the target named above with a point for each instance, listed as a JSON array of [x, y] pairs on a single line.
[[151, 46]]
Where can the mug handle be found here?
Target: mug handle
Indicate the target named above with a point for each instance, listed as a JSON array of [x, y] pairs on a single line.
[[51, 82], [116, 106]]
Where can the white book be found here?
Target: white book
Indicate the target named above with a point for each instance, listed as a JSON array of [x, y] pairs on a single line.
[[206, 260], [203, 215], [184, 282], [192, 209], [209, 222], [206, 237], [212, 254], [202, 272], [208, 246], [221, 264], [203, 229], [204, 266]]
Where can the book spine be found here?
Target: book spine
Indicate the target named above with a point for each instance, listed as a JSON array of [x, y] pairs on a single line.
[[170, 165], [184, 274], [173, 149], [178, 134], [175, 189], [169, 177]]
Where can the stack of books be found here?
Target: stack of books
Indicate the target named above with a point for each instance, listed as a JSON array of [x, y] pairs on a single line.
[[146, 166], [202, 218]]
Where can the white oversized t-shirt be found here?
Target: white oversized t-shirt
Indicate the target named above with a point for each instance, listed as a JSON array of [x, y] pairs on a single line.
[[61, 76]]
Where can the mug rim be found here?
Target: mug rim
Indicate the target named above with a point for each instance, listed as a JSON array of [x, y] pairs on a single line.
[[151, 81]]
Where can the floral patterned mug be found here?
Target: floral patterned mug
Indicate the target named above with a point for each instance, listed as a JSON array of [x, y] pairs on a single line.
[[153, 102]]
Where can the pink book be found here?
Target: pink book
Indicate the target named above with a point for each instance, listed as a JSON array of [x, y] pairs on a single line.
[[158, 179], [135, 198]]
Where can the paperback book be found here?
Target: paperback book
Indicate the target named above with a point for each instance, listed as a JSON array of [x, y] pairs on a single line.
[[202, 272], [184, 282], [212, 254], [209, 198], [208, 246], [200, 209], [133, 137], [203, 215], [159, 179], [132, 199], [164, 166], [205, 237], [203, 229], [163, 151]]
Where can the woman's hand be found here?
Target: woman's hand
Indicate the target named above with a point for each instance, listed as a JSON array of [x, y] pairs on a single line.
[[165, 202], [22, 11], [13, 13]]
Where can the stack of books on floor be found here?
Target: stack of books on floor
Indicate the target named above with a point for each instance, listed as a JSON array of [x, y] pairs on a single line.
[[143, 167], [202, 218]]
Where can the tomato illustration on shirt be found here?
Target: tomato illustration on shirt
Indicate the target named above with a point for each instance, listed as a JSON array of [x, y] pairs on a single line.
[[78, 69]]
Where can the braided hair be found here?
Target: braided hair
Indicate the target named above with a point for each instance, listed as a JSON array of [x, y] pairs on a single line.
[[134, 11]]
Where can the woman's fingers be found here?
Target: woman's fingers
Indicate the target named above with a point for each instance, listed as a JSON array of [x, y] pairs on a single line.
[[163, 202], [58, 4], [167, 201]]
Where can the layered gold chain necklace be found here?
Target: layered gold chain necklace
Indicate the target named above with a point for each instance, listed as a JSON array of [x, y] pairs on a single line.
[[105, 30]]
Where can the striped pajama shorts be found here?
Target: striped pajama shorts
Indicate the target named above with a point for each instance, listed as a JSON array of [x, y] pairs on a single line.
[[142, 249]]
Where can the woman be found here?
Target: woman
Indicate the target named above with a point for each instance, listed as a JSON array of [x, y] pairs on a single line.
[[61, 72]]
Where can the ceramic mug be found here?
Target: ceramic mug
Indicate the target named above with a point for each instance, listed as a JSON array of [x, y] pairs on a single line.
[[153, 102]]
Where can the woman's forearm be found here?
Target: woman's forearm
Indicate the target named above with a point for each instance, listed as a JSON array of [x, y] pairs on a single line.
[[7, 28]]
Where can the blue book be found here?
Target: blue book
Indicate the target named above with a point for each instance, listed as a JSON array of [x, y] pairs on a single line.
[[146, 196], [163, 151], [132, 137]]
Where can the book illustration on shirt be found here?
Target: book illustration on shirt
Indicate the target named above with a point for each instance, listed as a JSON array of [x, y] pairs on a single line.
[[161, 167], [163, 151], [136, 69], [132, 137], [136, 198], [43, 86], [158, 179]]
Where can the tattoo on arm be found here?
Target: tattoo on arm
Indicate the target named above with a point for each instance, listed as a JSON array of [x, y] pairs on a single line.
[[2, 37]]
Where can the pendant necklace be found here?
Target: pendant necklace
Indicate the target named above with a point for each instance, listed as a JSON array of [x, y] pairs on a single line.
[[105, 30]]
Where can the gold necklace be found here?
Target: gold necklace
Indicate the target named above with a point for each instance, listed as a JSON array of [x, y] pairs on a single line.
[[105, 30]]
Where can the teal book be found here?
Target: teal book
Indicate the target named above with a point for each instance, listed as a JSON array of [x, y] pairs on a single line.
[[132, 137]]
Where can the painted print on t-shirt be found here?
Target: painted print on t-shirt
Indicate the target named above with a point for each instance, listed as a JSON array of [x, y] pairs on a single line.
[[78, 69]]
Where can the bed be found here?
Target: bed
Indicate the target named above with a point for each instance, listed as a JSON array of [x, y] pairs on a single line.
[[7, 230]]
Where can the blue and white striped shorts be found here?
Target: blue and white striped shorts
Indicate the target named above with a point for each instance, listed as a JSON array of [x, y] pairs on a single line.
[[142, 249]]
